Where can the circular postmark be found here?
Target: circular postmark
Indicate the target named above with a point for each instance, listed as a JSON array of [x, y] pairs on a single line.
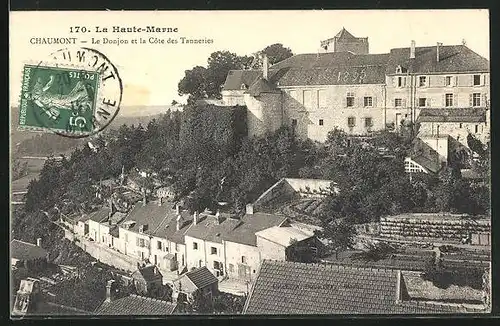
[[75, 92]]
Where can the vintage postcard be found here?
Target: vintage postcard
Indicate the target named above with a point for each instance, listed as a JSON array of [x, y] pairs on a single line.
[[317, 162]]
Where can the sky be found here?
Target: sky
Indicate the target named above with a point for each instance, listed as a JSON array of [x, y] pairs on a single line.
[[151, 72]]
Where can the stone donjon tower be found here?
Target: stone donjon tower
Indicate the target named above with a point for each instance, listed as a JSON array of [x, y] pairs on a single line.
[[346, 42]]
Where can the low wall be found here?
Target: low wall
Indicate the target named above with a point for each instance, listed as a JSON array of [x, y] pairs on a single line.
[[105, 255]]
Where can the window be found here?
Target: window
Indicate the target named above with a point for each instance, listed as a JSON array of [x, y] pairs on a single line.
[[308, 99], [399, 70], [448, 81], [158, 245], [213, 251], [477, 80], [126, 237], [476, 99], [176, 247], [320, 122], [422, 81], [460, 125], [321, 98], [141, 243], [398, 102], [449, 99], [199, 263], [243, 259], [293, 94], [231, 268], [368, 122], [400, 81], [350, 100], [477, 129], [422, 102], [294, 122], [351, 122], [368, 101], [195, 246]]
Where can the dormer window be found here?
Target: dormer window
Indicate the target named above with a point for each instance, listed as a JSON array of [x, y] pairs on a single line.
[[244, 86], [399, 70]]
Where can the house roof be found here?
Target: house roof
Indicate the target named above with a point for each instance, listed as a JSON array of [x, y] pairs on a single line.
[[283, 235], [26, 251], [345, 68], [169, 230], [236, 78], [261, 86], [344, 34], [200, 277], [152, 215], [283, 287], [149, 273], [453, 58], [136, 305], [472, 115], [100, 215], [251, 224], [427, 163], [208, 229]]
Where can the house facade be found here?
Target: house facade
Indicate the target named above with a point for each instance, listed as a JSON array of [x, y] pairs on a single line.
[[358, 92]]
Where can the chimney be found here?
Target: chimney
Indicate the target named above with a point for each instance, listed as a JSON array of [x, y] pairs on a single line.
[[195, 218], [110, 201], [401, 291], [178, 225], [265, 66], [437, 50], [109, 293], [160, 200], [39, 242], [217, 217], [249, 209], [144, 198], [412, 50], [464, 43]]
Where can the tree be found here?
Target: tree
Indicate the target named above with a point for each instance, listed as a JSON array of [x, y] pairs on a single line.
[[277, 52], [174, 102], [194, 83], [338, 235]]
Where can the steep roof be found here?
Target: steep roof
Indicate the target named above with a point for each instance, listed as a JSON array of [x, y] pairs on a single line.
[[261, 86], [345, 68], [471, 115], [295, 288], [208, 229], [200, 277], [100, 215], [169, 230], [152, 215], [149, 273], [136, 305], [453, 58], [283, 235], [26, 251], [344, 34], [244, 233], [236, 78]]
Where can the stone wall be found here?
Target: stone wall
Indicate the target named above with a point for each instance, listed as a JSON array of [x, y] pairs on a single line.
[[105, 255]]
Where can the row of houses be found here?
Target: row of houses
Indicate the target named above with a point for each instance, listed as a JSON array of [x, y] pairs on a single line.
[[166, 235]]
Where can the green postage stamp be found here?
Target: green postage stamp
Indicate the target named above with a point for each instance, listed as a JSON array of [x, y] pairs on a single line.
[[59, 99], [75, 92]]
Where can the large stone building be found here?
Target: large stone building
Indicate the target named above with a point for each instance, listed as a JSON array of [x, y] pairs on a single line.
[[360, 92]]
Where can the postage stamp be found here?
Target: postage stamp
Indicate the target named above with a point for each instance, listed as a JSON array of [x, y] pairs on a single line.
[[75, 93]]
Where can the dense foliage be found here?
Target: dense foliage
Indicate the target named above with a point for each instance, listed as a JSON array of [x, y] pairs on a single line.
[[206, 82]]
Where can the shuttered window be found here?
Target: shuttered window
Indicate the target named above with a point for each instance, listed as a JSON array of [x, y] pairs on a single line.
[[308, 99], [321, 98]]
